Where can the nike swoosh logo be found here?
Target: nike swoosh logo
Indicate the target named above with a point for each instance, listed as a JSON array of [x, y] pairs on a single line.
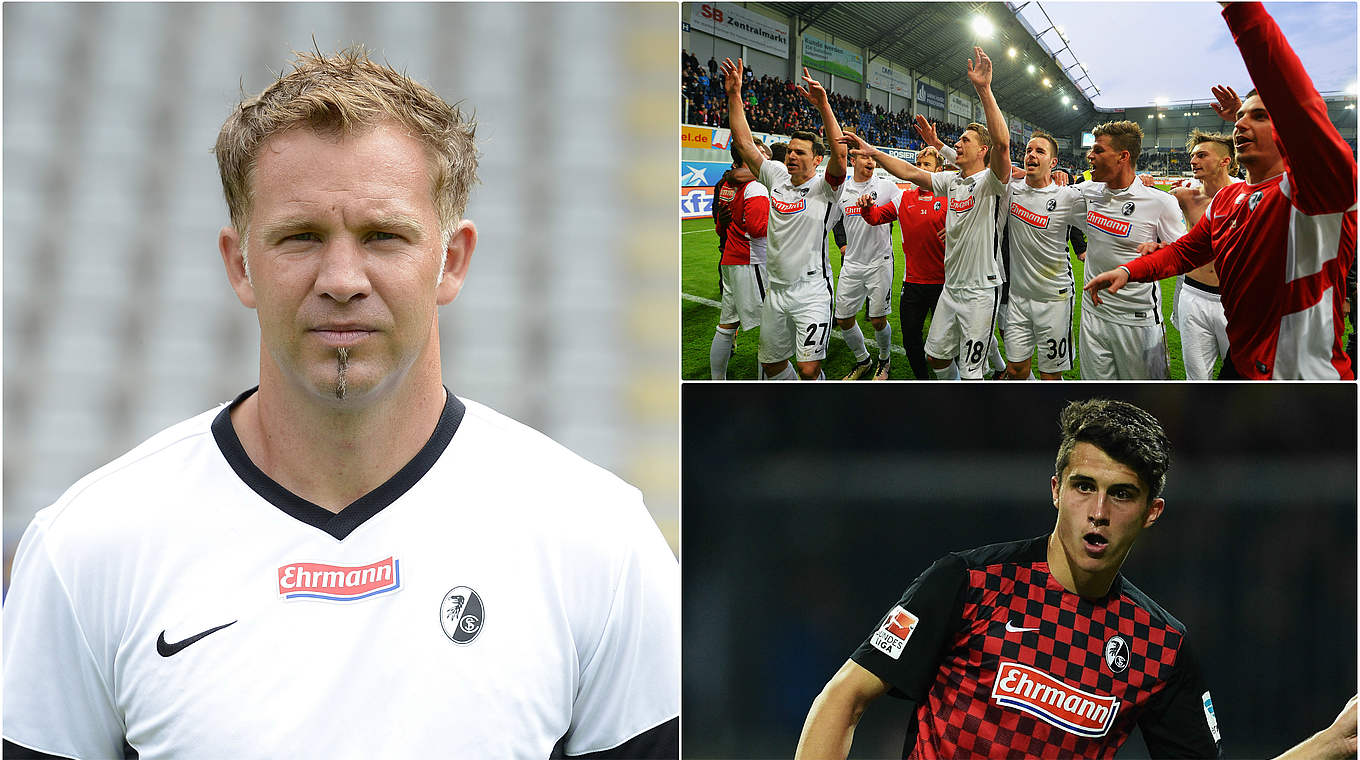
[[1012, 629], [167, 650]]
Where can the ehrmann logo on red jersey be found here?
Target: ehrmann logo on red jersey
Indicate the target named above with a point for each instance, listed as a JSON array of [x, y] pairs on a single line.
[[785, 207], [339, 583], [1116, 227], [1028, 217], [961, 206], [1052, 701]]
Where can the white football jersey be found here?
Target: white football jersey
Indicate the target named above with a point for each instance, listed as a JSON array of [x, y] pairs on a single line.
[[796, 247], [1116, 223], [497, 596], [866, 245], [972, 242], [1036, 226]]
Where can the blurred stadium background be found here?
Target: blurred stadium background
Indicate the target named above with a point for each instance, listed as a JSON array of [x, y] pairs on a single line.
[[807, 513], [118, 320]]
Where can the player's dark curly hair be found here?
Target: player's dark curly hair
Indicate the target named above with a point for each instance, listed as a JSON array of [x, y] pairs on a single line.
[[1126, 433]]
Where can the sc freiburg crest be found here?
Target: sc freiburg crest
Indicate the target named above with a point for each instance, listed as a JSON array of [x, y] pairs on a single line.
[[1117, 654], [461, 615]]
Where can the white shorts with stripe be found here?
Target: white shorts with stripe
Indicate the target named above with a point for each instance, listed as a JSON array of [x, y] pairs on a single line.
[[795, 321], [743, 293], [1045, 325], [1113, 351], [858, 283], [1204, 330], [962, 328]]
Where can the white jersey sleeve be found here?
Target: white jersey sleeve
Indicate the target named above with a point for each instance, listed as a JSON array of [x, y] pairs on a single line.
[[58, 689], [628, 687], [1171, 222]]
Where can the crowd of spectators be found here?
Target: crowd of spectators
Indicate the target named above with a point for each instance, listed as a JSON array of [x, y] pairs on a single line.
[[774, 105]]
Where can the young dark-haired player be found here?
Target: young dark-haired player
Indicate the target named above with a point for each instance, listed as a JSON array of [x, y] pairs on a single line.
[[1123, 339], [741, 210], [796, 319], [966, 311], [1040, 648], [1284, 240]]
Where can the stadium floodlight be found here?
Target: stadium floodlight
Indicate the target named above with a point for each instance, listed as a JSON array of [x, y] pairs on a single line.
[[1066, 100], [1074, 106], [1031, 68], [1161, 116], [1048, 82], [1350, 107], [1011, 52], [982, 27]]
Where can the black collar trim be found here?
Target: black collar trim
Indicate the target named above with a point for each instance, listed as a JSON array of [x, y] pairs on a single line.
[[351, 517]]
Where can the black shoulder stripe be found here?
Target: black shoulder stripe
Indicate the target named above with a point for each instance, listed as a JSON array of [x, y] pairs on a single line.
[[20, 752], [662, 741]]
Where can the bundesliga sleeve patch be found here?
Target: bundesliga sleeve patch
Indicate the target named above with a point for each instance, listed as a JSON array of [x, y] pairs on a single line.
[[1209, 716], [891, 637]]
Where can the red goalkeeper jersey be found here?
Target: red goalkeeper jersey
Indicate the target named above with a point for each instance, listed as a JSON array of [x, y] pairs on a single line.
[[1282, 247]]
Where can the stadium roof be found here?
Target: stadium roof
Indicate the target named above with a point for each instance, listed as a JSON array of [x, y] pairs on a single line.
[[936, 39]]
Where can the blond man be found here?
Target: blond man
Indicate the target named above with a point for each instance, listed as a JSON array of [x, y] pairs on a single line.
[[262, 580], [961, 331]]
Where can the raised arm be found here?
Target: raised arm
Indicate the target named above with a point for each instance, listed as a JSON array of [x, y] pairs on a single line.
[[816, 94], [736, 117], [999, 157], [831, 722], [927, 131], [1227, 102], [892, 164]]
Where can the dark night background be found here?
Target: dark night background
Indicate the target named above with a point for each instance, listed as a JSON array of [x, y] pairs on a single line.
[[807, 509]]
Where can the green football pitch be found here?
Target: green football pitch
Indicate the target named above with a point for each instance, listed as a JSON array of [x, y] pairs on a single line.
[[699, 315]]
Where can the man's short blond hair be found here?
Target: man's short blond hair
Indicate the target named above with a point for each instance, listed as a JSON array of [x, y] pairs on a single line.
[[984, 136], [1124, 135], [341, 95], [1217, 138], [929, 150]]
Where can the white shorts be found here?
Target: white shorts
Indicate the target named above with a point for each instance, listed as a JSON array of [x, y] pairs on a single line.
[[856, 284], [795, 321], [1045, 325], [1111, 351], [1204, 331], [743, 292], [962, 328]]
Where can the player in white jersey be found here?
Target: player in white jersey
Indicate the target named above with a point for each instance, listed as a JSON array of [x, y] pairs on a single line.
[[866, 267], [1042, 292], [796, 318], [1198, 309], [1123, 338], [347, 561], [966, 311]]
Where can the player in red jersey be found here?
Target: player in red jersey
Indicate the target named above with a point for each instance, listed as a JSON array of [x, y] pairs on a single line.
[[1284, 240], [920, 213], [1040, 648], [741, 210]]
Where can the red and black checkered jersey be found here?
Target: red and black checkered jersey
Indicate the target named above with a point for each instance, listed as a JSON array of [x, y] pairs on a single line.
[[1002, 661]]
